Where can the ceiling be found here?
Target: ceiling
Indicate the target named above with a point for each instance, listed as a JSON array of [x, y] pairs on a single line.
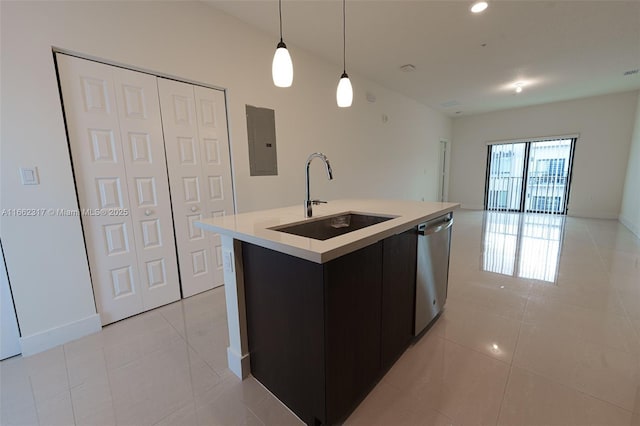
[[465, 63]]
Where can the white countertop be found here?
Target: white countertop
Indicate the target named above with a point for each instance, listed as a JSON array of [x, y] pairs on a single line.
[[254, 227]]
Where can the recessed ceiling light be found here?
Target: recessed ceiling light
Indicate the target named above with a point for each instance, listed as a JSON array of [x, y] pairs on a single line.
[[519, 85], [479, 6], [408, 68]]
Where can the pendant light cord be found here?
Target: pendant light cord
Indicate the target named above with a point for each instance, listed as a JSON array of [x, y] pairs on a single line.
[[280, 12], [344, 38]]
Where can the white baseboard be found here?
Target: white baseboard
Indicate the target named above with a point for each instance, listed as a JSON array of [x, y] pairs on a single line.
[[592, 214], [53, 337], [630, 226], [471, 207], [238, 364]]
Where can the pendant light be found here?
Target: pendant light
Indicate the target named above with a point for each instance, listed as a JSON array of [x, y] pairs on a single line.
[[282, 67], [479, 6], [344, 94]]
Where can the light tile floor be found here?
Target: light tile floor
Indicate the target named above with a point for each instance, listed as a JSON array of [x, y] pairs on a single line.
[[541, 327]]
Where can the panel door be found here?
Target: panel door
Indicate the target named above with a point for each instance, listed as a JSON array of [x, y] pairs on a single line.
[[99, 168], [197, 145], [145, 164], [111, 114], [216, 164]]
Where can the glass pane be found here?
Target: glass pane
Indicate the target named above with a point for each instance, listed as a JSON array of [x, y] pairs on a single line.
[[548, 176], [506, 171]]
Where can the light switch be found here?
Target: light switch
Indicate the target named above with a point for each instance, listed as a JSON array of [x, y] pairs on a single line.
[[29, 175], [227, 261]]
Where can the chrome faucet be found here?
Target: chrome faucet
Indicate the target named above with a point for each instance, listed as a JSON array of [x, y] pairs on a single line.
[[308, 202]]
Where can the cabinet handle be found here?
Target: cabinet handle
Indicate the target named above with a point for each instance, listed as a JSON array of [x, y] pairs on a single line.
[[194, 209], [147, 212]]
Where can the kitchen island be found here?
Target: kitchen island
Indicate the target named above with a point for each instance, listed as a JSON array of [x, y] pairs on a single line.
[[319, 308]]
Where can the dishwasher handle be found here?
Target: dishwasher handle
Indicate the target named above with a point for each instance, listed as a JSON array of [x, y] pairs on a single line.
[[428, 230]]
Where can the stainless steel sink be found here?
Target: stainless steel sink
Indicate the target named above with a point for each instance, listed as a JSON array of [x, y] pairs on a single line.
[[333, 226]]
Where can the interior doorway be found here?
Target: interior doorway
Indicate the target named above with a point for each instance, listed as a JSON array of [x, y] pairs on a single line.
[[530, 176], [442, 175]]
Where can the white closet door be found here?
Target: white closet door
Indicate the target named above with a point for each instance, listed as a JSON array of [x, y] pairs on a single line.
[[104, 169], [196, 142], [216, 163], [144, 156], [99, 168]]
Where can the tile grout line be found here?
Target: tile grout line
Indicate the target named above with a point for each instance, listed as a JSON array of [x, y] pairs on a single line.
[[617, 292], [204, 361], [484, 310], [522, 323], [185, 339], [628, 318], [473, 350], [566, 386], [513, 357], [33, 395], [602, 263], [66, 369], [484, 356], [113, 407], [193, 393], [504, 394], [255, 415], [188, 346], [444, 340]]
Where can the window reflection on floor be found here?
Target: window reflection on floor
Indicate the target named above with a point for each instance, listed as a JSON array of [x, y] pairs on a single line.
[[522, 245]]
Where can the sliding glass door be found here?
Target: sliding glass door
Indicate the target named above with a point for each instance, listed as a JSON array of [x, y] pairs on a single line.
[[506, 177], [529, 176], [548, 177]]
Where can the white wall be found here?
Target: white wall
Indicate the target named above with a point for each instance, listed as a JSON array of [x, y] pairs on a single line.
[[605, 124], [46, 256], [630, 211]]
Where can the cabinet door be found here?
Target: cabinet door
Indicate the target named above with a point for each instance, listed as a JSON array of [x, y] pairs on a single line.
[[353, 291], [113, 122], [285, 325], [398, 294], [194, 122]]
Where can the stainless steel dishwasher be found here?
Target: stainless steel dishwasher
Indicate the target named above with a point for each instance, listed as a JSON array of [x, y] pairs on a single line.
[[434, 242]]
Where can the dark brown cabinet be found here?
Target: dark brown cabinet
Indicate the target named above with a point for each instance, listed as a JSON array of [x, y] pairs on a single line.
[[398, 295], [322, 335]]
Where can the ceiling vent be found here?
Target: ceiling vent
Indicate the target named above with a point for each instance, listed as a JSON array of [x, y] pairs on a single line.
[[631, 72]]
